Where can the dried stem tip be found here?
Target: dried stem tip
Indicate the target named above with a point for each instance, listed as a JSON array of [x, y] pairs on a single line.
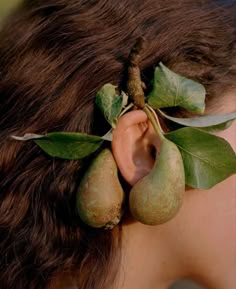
[[135, 84]]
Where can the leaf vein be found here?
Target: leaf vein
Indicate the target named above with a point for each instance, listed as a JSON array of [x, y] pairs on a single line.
[[202, 159]]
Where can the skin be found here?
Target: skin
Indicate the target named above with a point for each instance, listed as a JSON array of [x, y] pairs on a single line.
[[199, 243]]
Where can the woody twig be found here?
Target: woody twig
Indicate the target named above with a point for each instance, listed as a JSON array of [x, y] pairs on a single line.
[[135, 85]]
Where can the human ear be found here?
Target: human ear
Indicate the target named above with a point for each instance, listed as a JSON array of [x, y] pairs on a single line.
[[134, 146]]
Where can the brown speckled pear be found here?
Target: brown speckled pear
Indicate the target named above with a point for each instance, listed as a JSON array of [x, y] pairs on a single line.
[[157, 197], [100, 195]]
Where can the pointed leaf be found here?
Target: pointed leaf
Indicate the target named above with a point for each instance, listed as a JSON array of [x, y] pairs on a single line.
[[170, 89], [110, 103], [69, 146], [210, 122], [208, 159], [108, 136]]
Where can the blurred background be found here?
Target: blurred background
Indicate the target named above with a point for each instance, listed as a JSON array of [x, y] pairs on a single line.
[[5, 8]]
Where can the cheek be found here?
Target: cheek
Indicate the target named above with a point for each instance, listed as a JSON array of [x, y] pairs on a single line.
[[211, 219], [217, 207], [221, 204], [218, 212]]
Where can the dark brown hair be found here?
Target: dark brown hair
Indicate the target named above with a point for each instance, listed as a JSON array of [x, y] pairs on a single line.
[[54, 56]]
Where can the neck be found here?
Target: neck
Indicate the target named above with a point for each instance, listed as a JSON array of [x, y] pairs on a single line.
[[147, 259]]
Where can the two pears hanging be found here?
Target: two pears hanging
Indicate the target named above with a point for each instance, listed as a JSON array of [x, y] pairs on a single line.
[[154, 199]]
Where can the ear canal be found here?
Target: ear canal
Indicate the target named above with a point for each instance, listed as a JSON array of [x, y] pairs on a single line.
[[157, 197], [100, 195]]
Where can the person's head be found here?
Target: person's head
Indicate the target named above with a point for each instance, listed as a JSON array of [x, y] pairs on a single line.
[[54, 57]]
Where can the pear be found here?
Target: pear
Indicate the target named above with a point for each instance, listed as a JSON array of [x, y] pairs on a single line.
[[157, 197], [100, 195]]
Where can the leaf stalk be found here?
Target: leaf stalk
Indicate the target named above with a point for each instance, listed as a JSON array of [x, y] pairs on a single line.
[[154, 121]]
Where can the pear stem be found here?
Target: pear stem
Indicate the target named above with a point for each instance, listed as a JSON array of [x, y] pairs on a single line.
[[154, 121]]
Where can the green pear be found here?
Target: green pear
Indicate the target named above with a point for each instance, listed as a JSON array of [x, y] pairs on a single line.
[[157, 197], [100, 195]]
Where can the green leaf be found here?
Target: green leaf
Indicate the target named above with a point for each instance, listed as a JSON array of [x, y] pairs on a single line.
[[210, 122], [208, 159], [69, 146], [170, 89], [110, 103]]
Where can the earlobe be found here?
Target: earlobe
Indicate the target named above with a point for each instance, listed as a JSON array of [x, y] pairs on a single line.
[[133, 143]]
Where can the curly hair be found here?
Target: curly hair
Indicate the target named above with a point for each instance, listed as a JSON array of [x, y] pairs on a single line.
[[54, 57]]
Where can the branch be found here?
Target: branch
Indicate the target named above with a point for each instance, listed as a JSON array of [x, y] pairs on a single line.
[[135, 84]]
